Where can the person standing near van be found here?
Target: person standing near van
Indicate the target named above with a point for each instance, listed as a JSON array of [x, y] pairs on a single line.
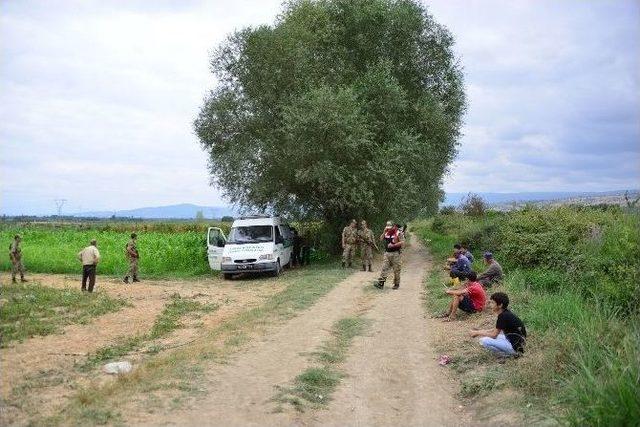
[[349, 243], [89, 256], [367, 243], [131, 251], [15, 255], [393, 243]]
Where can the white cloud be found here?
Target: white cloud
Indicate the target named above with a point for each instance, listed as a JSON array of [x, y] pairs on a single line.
[[97, 98]]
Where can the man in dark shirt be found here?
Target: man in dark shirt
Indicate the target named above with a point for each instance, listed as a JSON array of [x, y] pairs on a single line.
[[493, 274], [461, 267], [508, 337]]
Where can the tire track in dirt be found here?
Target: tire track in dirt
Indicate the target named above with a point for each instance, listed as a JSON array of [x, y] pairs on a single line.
[[240, 393], [393, 378]]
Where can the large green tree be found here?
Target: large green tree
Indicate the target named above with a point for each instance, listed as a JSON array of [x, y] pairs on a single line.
[[340, 109]]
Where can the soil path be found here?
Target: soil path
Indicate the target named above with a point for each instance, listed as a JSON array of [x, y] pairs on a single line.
[[393, 377]]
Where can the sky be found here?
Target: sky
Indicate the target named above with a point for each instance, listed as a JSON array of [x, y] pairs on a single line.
[[97, 98]]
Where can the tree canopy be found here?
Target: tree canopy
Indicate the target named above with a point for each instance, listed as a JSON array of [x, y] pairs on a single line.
[[340, 109]]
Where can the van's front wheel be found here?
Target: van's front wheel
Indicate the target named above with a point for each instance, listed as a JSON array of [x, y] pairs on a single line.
[[276, 272]]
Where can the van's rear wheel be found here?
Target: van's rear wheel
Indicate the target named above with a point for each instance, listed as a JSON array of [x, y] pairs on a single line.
[[227, 276]]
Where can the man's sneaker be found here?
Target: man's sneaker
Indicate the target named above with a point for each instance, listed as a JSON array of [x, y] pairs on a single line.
[[396, 286], [379, 284]]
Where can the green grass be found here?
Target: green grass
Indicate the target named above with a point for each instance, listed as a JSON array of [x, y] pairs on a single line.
[[31, 309], [162, 254], [572, 276], [313, 387], [169, 319]]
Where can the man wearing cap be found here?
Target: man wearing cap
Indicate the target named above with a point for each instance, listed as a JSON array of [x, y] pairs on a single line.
[[493, 274], [89, 256], [349, 243], [15, 254], [131, 251], [393, 243]]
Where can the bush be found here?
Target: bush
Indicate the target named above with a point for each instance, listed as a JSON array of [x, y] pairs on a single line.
[[473, 205]]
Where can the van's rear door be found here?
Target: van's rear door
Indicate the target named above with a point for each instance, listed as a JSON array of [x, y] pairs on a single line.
[[215, 245]]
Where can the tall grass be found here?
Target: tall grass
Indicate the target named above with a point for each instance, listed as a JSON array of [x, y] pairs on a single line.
[[572, 275], [55, 249]]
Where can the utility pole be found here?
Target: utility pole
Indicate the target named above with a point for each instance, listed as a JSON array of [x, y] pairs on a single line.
[[59, 204]]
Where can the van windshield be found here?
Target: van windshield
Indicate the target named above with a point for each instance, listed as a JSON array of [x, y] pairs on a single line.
[[251, 234]]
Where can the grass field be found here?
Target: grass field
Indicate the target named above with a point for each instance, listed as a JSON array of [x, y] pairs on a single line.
[[572, 276], [166, 250], [29, 310]]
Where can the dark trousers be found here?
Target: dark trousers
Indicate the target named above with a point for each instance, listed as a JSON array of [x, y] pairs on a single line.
[[88, 272]]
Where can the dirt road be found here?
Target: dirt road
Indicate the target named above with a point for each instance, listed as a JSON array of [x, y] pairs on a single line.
[[392, 377], [389, 375]]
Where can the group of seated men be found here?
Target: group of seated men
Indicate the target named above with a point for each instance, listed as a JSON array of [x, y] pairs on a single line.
[[508, 336]]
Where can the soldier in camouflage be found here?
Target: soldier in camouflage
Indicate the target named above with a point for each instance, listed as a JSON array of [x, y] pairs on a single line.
[[393, 243], [131, 251], [367, 243], [349, 243], [15, 255]]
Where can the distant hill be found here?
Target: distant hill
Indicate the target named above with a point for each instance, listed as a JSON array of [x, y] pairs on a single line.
[[520, 198], [181, 211]]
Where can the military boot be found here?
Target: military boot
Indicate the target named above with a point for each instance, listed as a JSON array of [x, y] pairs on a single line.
[[370, 268], [135, 279], [13, 280], [343, 264], [396, 286], [350, 265], [379, 284], [364, 267], [23, 280], [126, 279]]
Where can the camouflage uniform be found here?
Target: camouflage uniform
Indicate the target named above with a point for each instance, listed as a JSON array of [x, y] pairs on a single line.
[[15, 254], [365, 237], [350, 239], [392, 260], [133, 261]]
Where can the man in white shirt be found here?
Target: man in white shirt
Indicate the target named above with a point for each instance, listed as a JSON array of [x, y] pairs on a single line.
[[89, 256]]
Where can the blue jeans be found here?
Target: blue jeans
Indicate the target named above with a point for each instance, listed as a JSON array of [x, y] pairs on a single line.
[[499, 345]]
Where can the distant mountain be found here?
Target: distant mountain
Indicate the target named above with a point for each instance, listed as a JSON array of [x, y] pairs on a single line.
[[502, 198], [181, 211]]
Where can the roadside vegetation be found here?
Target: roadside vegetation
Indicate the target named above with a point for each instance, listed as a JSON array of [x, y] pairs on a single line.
[[31, 309], [572, 274]]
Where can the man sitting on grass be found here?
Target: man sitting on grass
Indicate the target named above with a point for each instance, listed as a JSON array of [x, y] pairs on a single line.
[[470, 299], [508, 337], [493, 274], [461, 267], [466, 252]]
